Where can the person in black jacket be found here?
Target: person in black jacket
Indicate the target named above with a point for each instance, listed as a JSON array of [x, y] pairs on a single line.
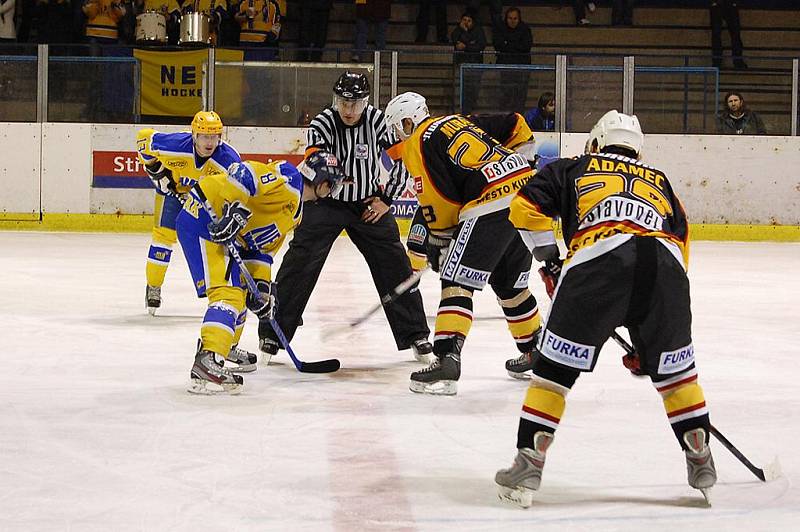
[[513, 42], [314, 15], [737, 119], [468, 41]]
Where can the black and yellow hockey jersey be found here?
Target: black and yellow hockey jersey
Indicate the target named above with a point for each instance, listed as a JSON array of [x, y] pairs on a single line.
[[603, 200], [460, 171]]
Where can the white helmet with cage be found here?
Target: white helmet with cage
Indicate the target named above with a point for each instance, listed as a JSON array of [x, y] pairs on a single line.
[[617, 129], [407, 105]]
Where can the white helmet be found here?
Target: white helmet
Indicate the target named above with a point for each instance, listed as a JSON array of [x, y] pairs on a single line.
[[617, 129], [407, 105]]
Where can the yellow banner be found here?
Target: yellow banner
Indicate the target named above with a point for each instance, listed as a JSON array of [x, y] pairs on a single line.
[[172, 82]]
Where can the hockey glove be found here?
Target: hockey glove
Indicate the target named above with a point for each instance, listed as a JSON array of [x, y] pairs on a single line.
[[234, 218], [161, 178], [436, 249], [550, 273], [632, 362], [265, 305]]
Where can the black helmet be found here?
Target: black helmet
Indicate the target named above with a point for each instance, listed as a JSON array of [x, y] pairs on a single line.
[[352, 86]]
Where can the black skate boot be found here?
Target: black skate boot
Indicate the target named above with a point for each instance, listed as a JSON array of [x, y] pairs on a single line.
[[520, 367], [422, 349], [702, 474], [269, 348], [440, 378], [152, 299], [209, 377], [245, 361]]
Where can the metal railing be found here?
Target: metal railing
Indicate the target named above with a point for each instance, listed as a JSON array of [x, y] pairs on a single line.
[[671, 94]]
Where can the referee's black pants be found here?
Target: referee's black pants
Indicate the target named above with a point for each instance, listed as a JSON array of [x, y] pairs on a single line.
[[380, 245]]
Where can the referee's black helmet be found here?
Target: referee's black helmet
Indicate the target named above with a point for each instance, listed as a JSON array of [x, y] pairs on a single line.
[[352, 86]]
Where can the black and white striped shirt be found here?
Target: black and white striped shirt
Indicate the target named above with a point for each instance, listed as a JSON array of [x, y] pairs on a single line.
[[358, 149]]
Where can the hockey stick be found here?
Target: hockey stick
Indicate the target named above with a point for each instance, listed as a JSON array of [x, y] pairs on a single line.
[[323, 366], [391, 297], [771, 472]]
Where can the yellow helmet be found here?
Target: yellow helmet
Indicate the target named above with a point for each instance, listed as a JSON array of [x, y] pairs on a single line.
[[207, 123]]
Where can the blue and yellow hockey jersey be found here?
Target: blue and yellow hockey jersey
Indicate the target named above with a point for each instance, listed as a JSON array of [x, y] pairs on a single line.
[[176, 152], [273, 192]]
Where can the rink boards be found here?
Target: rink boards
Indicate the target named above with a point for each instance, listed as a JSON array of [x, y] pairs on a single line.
[[85, 177]]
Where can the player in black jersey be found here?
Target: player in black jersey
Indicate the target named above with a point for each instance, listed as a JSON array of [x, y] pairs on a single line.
[[627, 251]]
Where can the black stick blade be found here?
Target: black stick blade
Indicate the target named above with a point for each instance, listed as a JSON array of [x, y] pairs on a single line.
[[323, 366]]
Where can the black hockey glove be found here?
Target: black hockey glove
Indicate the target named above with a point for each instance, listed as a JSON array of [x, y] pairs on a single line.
[[265, 305], [550, 273], [161, 178], [234, 218], [436, 249]]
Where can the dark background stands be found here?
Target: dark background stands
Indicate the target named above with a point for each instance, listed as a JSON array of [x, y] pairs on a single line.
[[513, 42], [314, 15], [374, 13], [469, 41], [424, 17], [728, 11]]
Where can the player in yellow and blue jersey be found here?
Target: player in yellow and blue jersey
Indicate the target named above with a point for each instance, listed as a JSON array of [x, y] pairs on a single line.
[[257, 205], [175, 162]]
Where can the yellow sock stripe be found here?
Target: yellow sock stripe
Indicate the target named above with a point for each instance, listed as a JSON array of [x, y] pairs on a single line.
[[543, 406], [524, 328], [452, 321], [685, 402]]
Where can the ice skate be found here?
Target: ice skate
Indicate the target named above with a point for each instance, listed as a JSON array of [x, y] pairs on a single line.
[[517, 483], [209, 377], [440, 378], [702, 474], [423, 350], [520, 367], [245, 361], [152, 299], [269, 348]]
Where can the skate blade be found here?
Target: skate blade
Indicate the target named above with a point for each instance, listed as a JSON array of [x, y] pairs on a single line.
[[152, 310], [264, 359], [204, 387], [242, 368], [434, 388], [521, 375], [522, 497], [706, 494]]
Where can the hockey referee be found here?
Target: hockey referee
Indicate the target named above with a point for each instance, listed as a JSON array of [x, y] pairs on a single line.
[[355, 132]]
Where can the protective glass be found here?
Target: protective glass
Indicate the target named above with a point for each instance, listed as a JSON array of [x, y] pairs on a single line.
[[347, 106]]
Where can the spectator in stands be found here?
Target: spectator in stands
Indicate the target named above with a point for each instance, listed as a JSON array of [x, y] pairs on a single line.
[[102, 20], [495, 9], [260, 28], [622, 12], [728, 11], [54, 21], [469, 41], [579, 7], [737, 119], [314, 15], [423, 20], [8, 29], [543, 116], [513, 42], [371, 13]]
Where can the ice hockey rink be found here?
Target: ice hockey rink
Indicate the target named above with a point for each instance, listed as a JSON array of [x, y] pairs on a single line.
[[98, 433]]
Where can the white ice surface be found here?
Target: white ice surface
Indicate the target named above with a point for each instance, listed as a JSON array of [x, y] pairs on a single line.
[[98, 433]]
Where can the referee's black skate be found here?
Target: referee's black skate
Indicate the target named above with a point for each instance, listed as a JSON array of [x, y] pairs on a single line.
[[423, 350], [209, 377], [269, 348], [440, 378]]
